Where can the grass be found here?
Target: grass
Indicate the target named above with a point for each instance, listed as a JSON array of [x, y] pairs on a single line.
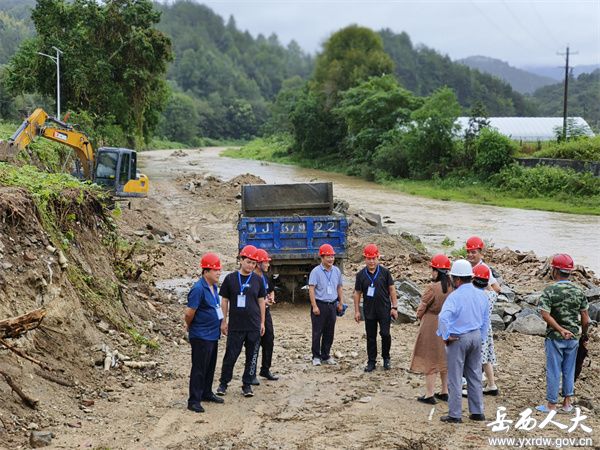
[[275, 149]]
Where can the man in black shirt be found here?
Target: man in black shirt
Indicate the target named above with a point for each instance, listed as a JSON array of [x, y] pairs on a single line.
[[243, 297], [375, 284]]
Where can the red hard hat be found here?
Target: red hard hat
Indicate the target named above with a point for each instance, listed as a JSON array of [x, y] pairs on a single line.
[[326, 250], [481, 271], [371, 251], [262, 255], [474, 243], [562, 261], [210, 261], [440, 261], [249, 251]]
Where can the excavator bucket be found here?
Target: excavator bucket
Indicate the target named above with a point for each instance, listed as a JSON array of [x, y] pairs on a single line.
[[8, 151]]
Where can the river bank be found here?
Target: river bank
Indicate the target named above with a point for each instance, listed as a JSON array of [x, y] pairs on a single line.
[[459, 190]]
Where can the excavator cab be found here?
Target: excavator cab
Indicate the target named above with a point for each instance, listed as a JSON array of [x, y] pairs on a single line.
[[116, 169]]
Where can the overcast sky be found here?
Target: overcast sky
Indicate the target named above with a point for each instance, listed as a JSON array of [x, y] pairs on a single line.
[[522, 32]]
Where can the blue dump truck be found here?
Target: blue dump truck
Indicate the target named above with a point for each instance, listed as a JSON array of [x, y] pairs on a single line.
[[291, 222]]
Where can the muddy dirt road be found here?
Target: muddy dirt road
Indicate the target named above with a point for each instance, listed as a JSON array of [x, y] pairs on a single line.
[[309, 407], [432, 220]]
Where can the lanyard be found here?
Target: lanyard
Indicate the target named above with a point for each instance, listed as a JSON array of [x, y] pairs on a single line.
[[246, 283], [369, 276], [212, 294], [330, 274]]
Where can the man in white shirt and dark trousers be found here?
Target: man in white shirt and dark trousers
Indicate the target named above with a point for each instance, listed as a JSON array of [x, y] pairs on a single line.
[[326, 299], [463, 324]]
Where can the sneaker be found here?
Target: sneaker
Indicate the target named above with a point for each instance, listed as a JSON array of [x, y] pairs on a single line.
[[222, 390], [370, 367], [465, 393], [566, 409], [330, 361], [255, 382], [268, 375], [316, 361], [477, 417], [247, 390], [387, 365], [196, 407]]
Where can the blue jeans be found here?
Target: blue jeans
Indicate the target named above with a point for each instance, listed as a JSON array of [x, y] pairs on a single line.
[[561, 355]]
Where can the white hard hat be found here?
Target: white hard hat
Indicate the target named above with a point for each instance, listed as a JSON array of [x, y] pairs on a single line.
[[461, 268]]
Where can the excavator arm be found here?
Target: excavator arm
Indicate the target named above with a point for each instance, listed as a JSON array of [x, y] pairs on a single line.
[[35, 125]]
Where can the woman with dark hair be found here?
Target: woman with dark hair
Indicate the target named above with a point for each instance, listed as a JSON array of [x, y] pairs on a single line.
[[429, 354], [481, 278]]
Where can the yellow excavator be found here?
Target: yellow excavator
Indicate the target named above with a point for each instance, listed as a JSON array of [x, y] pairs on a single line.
[[111, 167]]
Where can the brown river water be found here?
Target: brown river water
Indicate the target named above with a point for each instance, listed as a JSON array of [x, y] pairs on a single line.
[[543, 232]]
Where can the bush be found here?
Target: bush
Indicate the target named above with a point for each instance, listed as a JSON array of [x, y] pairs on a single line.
[[583, 148], [493, 152], [545, 181]]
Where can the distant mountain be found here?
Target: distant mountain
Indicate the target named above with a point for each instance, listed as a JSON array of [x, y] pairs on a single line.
[[521, 81], [558, 73]]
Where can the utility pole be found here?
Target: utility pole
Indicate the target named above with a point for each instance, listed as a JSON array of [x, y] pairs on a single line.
[[565, 94], [56, 60]]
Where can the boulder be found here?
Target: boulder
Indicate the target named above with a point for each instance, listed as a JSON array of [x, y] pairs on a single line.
[[533, 298], [593, 295], [497, 322], [40, 438], [503, 308], [405, 314], [594, 312], [507, 292], [531, 324], [527, 311], [408, 287]]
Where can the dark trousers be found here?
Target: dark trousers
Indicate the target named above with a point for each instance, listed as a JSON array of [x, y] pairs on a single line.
[[386, 338], [267, 342], [235, 341], [323, 329], [204, 361]]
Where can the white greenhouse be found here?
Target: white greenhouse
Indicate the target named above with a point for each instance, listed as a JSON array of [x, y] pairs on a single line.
[[530, 129]]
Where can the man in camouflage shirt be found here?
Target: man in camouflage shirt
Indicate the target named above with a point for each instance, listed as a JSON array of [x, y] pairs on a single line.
[[564, 308]]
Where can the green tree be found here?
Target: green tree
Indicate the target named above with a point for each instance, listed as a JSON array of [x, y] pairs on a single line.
[[350, 56], [181, 119], [113, 64], [370, 110], [493, 151]]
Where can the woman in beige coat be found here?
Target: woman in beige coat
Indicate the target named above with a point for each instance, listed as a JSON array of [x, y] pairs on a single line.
[[429, 354]]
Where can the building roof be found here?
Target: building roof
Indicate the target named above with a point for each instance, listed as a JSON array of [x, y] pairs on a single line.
[[530, 128]]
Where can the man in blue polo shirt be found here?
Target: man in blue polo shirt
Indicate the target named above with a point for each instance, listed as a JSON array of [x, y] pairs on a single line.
[[326, 296], [203, 317], [463, 324]]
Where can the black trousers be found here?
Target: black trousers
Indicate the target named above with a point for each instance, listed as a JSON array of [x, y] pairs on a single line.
[[386, 337], [233, 348], [267, 342], [204, 361], [323, 329]]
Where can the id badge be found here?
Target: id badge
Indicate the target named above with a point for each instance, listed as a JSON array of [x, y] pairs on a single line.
[[241, 303], [219, 313], [329, 289], [371, 291]]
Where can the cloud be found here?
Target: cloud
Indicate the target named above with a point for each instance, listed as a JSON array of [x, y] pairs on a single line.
[[520, 32]]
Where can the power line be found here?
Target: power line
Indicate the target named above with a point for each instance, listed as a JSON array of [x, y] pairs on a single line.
[[523, 27], [541, 20]]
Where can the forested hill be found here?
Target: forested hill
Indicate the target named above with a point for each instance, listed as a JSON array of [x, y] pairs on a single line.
[[520, 80], [224, 79], [584, 98], [15, 26], [423, 70], [230, 75]]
